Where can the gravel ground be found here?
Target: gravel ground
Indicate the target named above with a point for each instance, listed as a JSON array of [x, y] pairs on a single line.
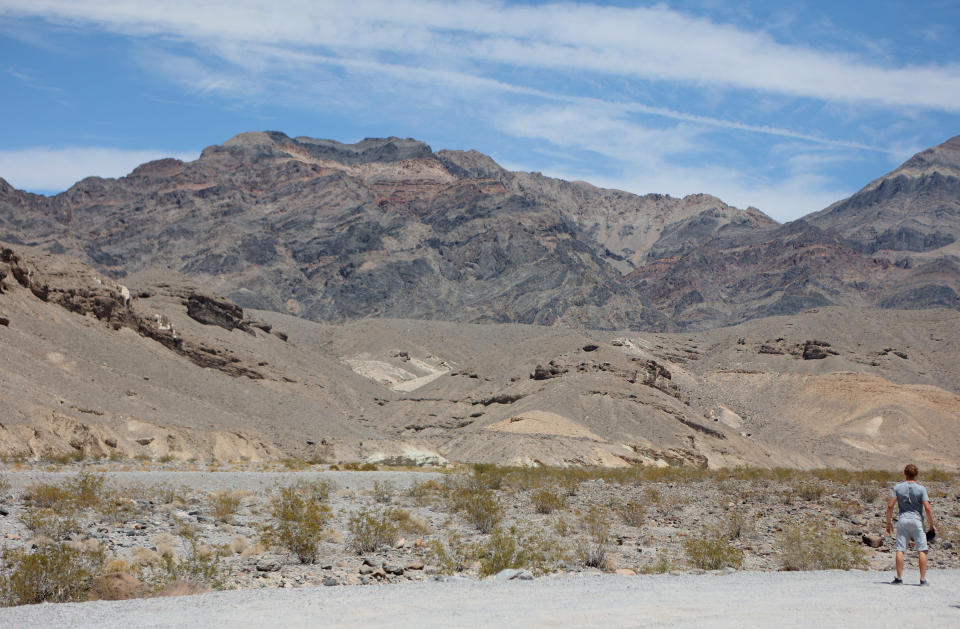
[[216, 481], [785, 599], [170, 513]]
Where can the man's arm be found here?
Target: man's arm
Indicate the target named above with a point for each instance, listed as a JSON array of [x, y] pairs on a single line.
[[926, 507], [893, 501]]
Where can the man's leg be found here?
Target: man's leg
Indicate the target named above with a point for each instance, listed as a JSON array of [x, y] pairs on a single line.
[[900, 563], [923, 565]]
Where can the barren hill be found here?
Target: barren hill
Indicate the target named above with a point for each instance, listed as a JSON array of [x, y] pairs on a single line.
[[177, 371]]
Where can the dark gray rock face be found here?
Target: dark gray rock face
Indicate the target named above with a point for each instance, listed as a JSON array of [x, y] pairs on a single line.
[[388, 228], [212, 311], [928, 296], [891, 245], [914, 208], [334, 231]]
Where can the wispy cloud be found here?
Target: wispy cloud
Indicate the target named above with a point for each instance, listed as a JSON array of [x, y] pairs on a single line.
[[537, 72], [669, 161], [49, 170], [655, 42]]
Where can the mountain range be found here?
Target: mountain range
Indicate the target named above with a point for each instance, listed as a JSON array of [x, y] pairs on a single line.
[[390, 228]]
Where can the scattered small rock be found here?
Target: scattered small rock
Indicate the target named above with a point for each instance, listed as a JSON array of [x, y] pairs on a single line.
[[330, 581], [624, 571]]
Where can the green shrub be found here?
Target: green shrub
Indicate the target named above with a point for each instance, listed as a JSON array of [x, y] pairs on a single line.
[[5, 486], [713, 551], [594, 550], [83, 491], [372, 529], [518, 548], [562, 527], [662, 564], [936, 475], [489, 475], [165, 494], [52, 573], [47, 496], [633, 513], [319, 490], [383, 491], [810, 490], [55, 525], [547, 501], [425, 492], [652, 496], [409, 523], [868, 492], [87, 489], [293, 464], [483, 512], [452, 556], [199, 563], [225, 503], [811, 548], [297, 522], [738, 525]]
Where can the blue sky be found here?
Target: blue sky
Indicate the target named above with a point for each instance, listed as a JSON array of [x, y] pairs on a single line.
[[783, 106]]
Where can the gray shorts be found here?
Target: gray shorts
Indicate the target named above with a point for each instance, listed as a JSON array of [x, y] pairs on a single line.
[[911, 528]]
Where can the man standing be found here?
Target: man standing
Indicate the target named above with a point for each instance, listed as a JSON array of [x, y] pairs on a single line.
[[912, 499]]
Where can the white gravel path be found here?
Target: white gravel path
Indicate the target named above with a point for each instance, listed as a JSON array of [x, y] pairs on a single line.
[[782, 600]]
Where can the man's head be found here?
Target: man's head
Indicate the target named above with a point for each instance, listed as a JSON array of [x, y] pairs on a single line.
[[910, 472]]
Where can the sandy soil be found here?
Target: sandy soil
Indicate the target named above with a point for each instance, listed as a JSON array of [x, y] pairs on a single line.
[[847, 599]]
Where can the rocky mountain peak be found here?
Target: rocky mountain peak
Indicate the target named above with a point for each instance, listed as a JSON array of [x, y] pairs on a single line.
[[944, 158], [366, 151]]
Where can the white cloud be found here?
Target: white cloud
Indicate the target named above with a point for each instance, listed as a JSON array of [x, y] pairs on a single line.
[[644, 42], [784, 200], [659, 160], [55, 169]]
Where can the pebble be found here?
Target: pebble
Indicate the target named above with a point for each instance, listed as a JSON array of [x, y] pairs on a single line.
[[329, 581]]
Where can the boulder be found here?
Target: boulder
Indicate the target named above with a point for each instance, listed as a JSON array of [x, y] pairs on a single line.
[[268, 564], [873, 541]]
